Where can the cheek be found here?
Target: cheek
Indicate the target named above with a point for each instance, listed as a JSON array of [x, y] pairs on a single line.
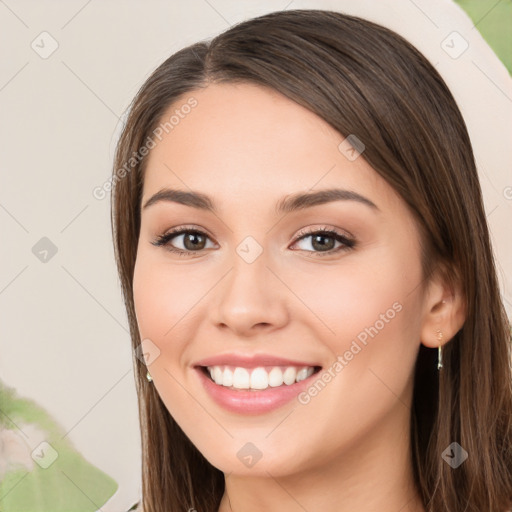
[[361, 296], [157, 308], [164, 298], [165, 302], [370, 322]]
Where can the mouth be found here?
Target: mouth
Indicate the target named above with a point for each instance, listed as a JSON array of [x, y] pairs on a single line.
[[260, 378], [250, 388]]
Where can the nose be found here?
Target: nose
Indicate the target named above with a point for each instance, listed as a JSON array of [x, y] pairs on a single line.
[[250, 299]]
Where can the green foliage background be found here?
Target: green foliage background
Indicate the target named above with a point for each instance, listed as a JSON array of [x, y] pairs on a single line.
[[493, 19]]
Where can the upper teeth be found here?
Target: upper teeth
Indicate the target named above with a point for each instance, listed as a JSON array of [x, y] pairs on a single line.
[[258, 378]]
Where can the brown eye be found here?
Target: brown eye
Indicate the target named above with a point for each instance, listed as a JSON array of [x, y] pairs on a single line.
[[324, 242], [191, 240], [319, 242]]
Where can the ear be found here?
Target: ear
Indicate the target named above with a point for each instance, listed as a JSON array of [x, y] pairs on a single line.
[[444, 311]]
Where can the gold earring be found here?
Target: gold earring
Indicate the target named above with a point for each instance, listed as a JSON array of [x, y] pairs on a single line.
[[439, 350], [148, 376]]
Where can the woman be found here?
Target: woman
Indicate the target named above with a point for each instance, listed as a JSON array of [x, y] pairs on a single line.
[[306, 266]]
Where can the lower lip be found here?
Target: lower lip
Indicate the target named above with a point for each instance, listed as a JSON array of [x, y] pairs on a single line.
[[253, 402]]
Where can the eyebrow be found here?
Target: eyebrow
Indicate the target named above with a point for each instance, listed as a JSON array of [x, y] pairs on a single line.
[[293, 202]]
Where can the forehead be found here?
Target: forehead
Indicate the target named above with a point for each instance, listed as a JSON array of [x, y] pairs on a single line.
[[246, 143]]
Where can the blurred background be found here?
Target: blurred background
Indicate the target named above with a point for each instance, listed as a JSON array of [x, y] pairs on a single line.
[[493, 19]]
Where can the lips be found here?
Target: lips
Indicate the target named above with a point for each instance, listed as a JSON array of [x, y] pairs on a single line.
[[251, 361], [256, 396]]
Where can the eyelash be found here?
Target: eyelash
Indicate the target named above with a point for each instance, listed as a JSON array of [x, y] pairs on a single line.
[[347, 243]]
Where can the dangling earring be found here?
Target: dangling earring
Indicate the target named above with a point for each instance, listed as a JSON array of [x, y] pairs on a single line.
[[439, 350], [148, 376]]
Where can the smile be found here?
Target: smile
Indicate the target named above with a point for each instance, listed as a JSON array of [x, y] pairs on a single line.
[[258, 378], [256, 390]]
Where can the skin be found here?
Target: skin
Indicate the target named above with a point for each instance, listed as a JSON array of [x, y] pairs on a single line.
[[247, 147]]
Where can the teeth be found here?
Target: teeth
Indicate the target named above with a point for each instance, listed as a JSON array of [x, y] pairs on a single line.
[[275, 377], [289, 375], [227, 377], [241, 379], [258, 378], [217, 375], [302, 374]]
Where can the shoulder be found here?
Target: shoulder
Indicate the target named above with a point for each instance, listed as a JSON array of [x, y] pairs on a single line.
[[136, 508]]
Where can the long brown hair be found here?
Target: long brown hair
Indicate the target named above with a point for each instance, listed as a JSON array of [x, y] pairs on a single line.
[[366, 80]]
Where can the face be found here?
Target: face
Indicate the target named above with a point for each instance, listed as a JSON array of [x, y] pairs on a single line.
[[327, 285]]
